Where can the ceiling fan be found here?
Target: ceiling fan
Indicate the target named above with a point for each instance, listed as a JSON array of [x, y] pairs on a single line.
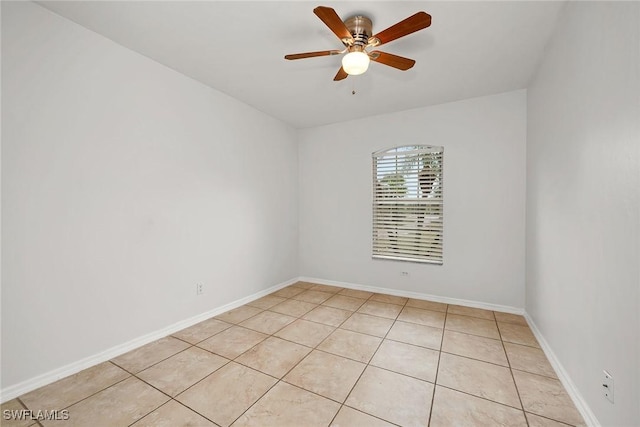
[[356, 35]]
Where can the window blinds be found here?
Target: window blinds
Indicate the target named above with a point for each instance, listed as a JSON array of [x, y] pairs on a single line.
[[407, 204]]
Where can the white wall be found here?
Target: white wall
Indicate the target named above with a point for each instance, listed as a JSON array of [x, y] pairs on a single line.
[[583, 215], [124, 184], [484, 199]]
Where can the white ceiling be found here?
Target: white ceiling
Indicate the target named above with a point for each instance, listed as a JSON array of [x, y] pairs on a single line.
[[471, 49]]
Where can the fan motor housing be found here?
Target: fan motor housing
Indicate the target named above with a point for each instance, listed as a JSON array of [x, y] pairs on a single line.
[[360, 28]]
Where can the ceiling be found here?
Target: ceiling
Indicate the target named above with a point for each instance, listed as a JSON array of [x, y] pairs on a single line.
[[471, 49]]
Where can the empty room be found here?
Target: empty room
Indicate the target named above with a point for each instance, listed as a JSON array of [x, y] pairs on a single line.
[[272, 213]]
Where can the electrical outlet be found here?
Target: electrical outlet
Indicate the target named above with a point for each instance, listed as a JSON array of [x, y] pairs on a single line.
[[404, 273], [199, 288], [607, 386]]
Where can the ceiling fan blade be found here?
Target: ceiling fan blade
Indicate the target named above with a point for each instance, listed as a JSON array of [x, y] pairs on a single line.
[[410, 25], [395, 61], [342, 74], [312, 54], [333, 21]]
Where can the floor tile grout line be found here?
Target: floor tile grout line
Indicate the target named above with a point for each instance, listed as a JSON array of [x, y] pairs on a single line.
[[92, 394], [366, 413], [370, 359], [536, 374], [435, 380], [154, 409], [475, 359], [191, 409], [547, 418], [281, 379], [486, 399], [511, 372], [158, 362]]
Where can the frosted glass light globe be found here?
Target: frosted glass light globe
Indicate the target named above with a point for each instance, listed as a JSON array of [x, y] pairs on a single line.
[[355, 63]]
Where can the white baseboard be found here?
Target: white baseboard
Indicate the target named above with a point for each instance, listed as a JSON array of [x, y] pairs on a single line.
[[563, 376], [416, 295], [31, 384]]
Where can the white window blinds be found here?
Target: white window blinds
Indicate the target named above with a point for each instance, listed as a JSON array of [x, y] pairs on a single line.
[[407, 204]]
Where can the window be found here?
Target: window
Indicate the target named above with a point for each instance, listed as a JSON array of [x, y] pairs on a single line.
[[407, 204]]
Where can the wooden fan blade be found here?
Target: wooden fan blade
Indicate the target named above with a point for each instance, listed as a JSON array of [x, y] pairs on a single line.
[[312, 54], [395, 61], [410, 25], [333, 21], [342, 74]]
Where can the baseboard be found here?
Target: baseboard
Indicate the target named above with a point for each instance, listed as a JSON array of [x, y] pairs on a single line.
[[416, 295], [23, 387], [563, 376]]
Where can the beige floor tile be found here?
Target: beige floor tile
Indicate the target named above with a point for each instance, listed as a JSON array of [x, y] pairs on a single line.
[[529, 359], [393, 397], [517, 334], [327, 315], [452, 408], [510, 318], [412, 333], [72, 389], [119, 405], [305, 332], [18, 420], [150, 354], [224, 395], [232, 342], [418, 362], [422, 317], [274, 356], [474, 347], [239, 314], [344, 302], [350, 344], [538, 421], [293, 307], [201, 331], [173, 414], [427, 305], [327, 288], [179, 372], [349, 417], [288, 292], [314, 297], [355, 293], [381, 309], [481, 379], [546, 397], [268, 322], [266, 302], [326, 374], [389, 299], [286, 405], [304, 285], [470, 311], [472, 325], [367, 324]]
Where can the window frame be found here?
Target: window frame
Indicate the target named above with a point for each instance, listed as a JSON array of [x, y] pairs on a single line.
[[407, 205]]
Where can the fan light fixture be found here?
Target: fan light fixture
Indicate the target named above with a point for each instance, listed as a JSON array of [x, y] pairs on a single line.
[[355, 63], [356, 35]]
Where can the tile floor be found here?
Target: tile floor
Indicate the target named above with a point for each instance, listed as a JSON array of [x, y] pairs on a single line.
[[317, 355]]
